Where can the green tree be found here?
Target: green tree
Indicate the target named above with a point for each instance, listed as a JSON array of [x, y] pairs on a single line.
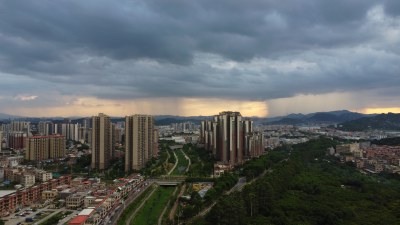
[[229, 211]]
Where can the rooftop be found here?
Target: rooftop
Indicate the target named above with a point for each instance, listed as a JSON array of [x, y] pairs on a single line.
[[6, 192], [86, 212], [78, 220]]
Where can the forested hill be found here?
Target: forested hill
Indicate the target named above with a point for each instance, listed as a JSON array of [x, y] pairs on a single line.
[[390, 121], [311, 189], [387, 141]]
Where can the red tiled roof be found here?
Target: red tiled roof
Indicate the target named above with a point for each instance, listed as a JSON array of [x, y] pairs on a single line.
[[78, 220]]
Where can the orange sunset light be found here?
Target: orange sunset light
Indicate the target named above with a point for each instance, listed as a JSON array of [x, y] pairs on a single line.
[[381, 110]]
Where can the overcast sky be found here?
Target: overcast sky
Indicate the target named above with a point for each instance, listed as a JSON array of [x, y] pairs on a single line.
[[263, 58]]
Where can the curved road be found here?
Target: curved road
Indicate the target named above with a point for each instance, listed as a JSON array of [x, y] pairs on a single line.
[[176, 163], [188, 159], [238, 187]]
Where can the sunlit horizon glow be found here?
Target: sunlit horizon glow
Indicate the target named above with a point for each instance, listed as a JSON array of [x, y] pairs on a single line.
[[380, 110], [88, 106]]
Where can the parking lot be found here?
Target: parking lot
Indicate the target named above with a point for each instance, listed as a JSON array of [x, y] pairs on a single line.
[[21, 216]]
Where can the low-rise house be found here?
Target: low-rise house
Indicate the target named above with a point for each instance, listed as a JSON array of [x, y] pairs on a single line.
[[89, 201], [27, 180], [75, 201], [49, 194]]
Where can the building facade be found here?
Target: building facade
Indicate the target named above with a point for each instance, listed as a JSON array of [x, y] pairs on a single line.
[[57, 146], [20, 126], [230, 138], [27, 196], [139, 132], [17, 140], [156, 136], [45, 128], [40, 148], [101, 143]]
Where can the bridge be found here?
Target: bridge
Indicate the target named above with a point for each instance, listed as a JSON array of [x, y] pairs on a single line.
[[168, 180], [168, 183]]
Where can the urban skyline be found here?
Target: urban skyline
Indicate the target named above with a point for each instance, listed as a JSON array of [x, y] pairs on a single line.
[[77, 58], [224, 112]]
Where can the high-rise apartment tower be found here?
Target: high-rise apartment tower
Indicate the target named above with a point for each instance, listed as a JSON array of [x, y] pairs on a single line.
[[138, 141], [102, 145]]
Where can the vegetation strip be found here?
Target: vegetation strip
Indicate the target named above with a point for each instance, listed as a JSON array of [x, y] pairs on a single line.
[[123, 218], [188, 159], [181, 162], [140, 206], [160, 218], [53, 219], [148, 213], [176, 203], [175, 165]]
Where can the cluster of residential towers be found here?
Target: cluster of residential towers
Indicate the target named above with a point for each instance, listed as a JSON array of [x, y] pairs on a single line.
[[141, 141], [231, 138]]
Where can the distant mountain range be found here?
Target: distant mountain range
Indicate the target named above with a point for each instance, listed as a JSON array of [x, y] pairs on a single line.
[[4, 116], [390, 121], [166, 120], [346, 120], [159, 119], [339, 116]]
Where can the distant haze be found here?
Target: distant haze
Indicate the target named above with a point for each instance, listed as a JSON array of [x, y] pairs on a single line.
[[262, 58]]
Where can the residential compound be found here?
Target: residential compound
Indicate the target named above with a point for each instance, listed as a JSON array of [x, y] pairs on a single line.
[[98, 201], [141, 141], [16, 139], [11, 200], [15, 133], [230, 138], [40, 148], [26, 176], [185, 127], [371, 158]]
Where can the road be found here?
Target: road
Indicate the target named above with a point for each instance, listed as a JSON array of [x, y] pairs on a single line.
[[188, 159], [176, 163], [47, 217], [175, 207], [238, 187], [166, 160], [69, 217]]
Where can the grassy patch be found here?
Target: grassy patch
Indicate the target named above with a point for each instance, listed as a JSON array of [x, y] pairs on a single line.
[[202, 161], [128, 211], [154, 206], [182, 163]]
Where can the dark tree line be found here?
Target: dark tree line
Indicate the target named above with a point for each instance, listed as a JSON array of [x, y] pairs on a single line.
[[311, 189]]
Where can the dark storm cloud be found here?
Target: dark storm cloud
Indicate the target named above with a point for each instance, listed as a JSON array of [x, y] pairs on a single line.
[[231, 49]]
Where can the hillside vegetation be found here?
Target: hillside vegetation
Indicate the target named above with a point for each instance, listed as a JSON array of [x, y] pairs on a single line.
[[311, 189], [390, 121]]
